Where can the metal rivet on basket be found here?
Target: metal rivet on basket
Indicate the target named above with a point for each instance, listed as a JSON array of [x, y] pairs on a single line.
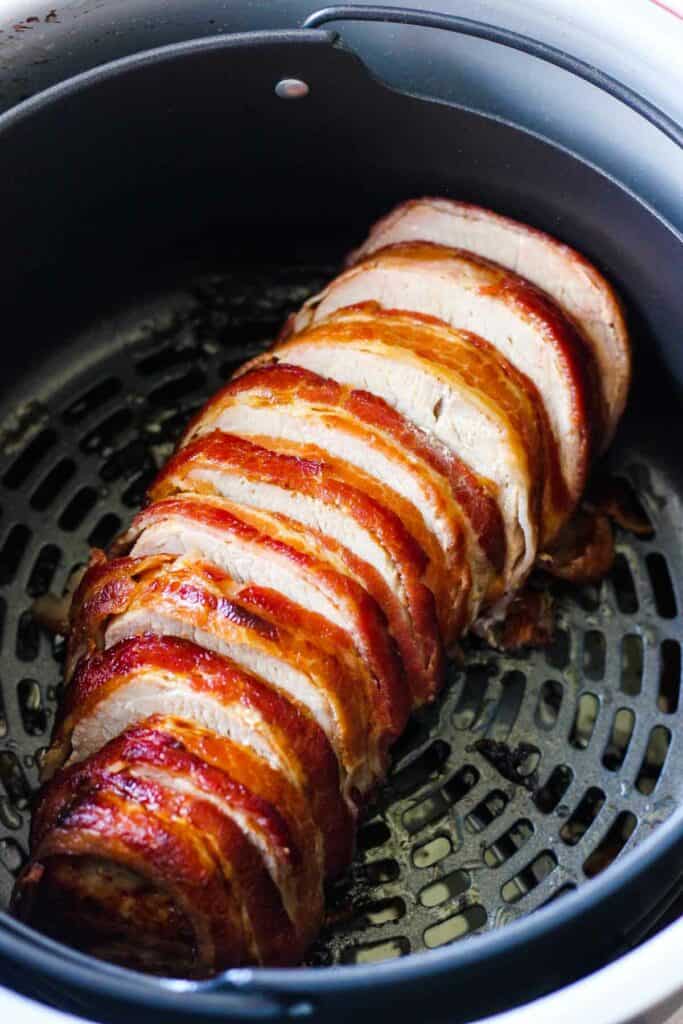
[[292, 89]]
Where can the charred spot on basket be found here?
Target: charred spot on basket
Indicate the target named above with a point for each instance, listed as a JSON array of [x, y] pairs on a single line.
[[518, 764]]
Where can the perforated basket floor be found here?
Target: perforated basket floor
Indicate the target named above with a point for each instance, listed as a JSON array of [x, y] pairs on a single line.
[[585, 757]]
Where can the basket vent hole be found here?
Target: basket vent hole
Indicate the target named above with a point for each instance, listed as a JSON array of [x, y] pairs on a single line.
[[377, 833], [549, 704], [655, 755], [581, 819], [379, 912], [78, 509], [436, 805], [35, 452], [584, 721], [658, 571], [377, 872], [28, 637], [619, 740], [611, 845], [624, 587], [105, 433], [53, 484], [129, 461], [471, 919], [487, 810], [177, 388], [632, 664], [449, 887], [587, 597], [557, 653], [424, 768], [166, 358], [509, 843], [13, 551], [3, 717], [43, 570], [104, 531], [594, 650], [529, 877], [470, 702], [374, 952], [669, 677], [92, 400], [549, 795], [134, 496], [513, 686], [562, 891], [431, 853], [33, 714], [425, 812], [460, 784], [12, 856], [13, 779]]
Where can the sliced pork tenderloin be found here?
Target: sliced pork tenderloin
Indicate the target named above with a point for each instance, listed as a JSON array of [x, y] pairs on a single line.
[[567, 277], [167, 676], [182, 600], [152, 752], [452, 391], [291, 404], [329, 500], [205, 830], [526, 326]]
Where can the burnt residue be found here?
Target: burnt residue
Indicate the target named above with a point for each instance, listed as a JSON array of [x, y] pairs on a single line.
[[516, 764]]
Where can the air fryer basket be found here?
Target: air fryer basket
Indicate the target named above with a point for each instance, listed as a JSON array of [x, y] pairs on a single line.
[[164, 215]]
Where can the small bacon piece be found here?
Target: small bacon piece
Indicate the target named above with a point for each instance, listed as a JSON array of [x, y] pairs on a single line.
[[584, 551]]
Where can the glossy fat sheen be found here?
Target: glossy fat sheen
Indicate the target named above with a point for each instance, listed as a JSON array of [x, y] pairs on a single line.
[[470, 293], [567, 277]]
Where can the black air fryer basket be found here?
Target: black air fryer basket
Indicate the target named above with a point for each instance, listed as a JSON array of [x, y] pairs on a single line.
[[160, 217]]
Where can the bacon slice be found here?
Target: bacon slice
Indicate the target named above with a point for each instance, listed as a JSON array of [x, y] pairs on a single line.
[[152, 752], [150, 675], [107, 827], [292, 404], [567, 276], [454, 387], [205, 837], [325, 499], [527, 328], [183, 599]]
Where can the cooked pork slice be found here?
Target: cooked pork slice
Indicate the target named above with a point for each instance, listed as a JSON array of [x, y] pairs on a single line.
[[526, 326], [452, 391], [167, 676], [105, 827], [208, 833], [106, 910], [255, 547], [340, 442], [568, 278], [152, 753], [182, 600], [328, 500], [297, 869], [291, 404]]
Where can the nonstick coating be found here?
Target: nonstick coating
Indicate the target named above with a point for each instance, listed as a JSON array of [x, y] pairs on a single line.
[[187, 200]]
